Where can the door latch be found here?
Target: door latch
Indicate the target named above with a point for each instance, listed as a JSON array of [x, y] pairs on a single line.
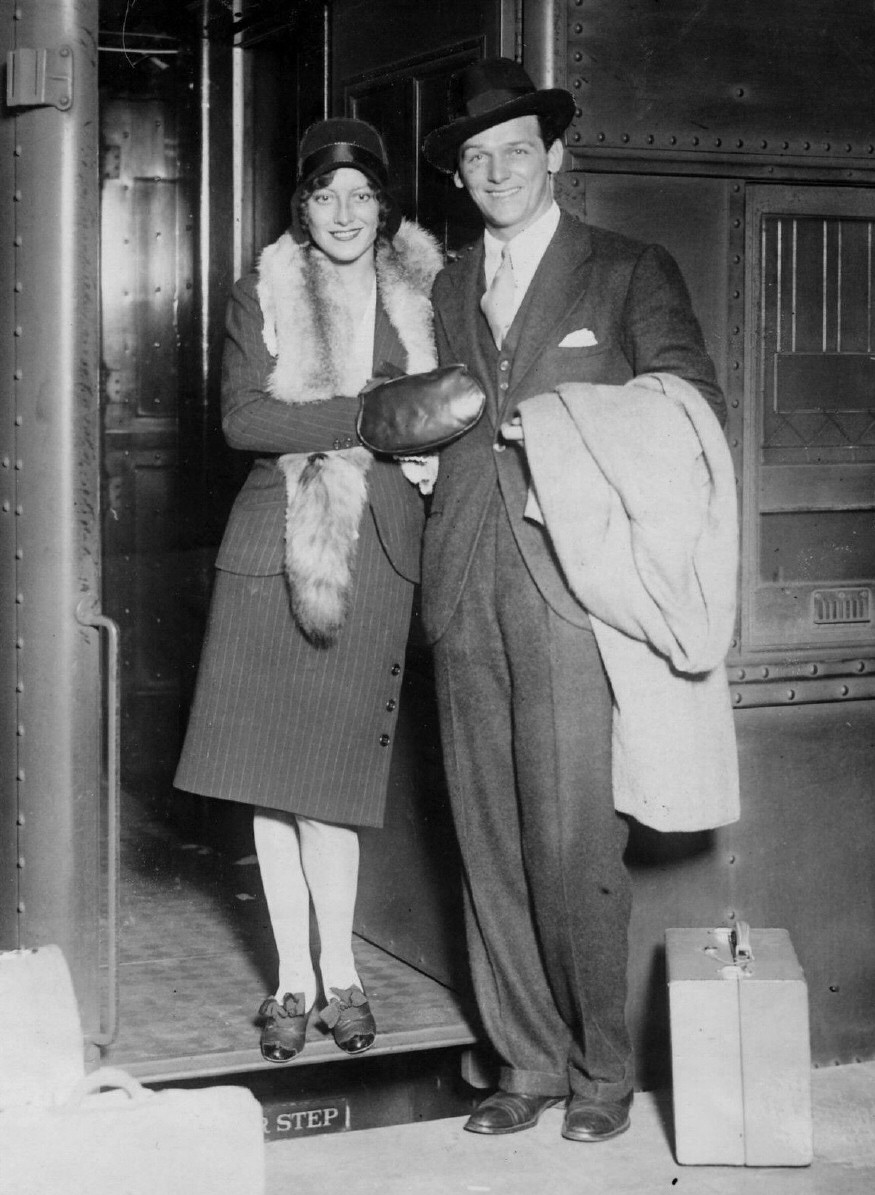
[[40, 78]]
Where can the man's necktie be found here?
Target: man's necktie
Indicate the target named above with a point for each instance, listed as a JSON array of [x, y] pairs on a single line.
[[497, 303]]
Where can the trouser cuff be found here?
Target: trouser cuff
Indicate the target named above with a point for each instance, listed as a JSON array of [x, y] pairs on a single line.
[[532, 1082]]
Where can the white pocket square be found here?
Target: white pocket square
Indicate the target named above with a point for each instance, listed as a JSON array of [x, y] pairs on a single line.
[[580, 339]]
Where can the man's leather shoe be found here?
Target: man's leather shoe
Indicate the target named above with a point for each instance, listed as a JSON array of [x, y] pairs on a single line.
[[591, 1120], [509, 1112]]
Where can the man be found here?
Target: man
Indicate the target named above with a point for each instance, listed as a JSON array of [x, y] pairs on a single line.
[[524, 701]]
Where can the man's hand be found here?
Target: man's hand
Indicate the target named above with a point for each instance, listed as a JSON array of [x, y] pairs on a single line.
[[513, 431]]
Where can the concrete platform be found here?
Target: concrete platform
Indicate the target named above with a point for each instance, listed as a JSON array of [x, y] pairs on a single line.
[[439, 1158]]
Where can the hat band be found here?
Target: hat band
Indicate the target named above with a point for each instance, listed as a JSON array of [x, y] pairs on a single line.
[[342, 153], [487, 101]]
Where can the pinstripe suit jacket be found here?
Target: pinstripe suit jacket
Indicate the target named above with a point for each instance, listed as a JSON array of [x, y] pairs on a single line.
[[255, 422], [633, 300]]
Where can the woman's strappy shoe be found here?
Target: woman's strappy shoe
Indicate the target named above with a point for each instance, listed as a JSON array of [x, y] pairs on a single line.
[[284, 1027], [348, 1016]]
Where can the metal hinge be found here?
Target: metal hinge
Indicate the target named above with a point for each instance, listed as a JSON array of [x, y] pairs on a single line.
[[39, 78]]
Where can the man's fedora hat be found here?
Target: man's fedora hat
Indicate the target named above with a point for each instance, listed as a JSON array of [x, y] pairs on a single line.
[[331, 144], [488, 93]]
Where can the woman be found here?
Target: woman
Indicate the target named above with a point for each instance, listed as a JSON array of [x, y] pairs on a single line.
[[299, 682]]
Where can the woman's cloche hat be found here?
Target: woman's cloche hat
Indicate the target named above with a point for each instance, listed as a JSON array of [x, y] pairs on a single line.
[[488, 93], [342, 141]]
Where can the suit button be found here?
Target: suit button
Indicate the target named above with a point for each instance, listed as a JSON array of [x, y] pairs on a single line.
[[390, 704], [395, 669], [336, 444], [504, 365], [499, 447], [502, 385], [384, 740]]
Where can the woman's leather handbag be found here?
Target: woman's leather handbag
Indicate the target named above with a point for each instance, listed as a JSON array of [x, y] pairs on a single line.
[[419, 412]]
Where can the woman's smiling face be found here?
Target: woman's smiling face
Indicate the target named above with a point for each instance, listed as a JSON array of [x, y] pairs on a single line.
[[343, 217]]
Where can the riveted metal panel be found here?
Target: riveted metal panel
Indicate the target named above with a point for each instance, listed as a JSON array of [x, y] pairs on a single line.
[[791, 79], [54, 434], [9, 872]]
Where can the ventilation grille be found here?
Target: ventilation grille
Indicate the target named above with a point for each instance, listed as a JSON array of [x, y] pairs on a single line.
[[831, 607]]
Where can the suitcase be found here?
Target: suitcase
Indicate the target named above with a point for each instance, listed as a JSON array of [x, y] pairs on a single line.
[[741, 1058], [61, 1133]]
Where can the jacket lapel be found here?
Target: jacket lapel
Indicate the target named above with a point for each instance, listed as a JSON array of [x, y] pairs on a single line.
[[461, 318], [555, 291]]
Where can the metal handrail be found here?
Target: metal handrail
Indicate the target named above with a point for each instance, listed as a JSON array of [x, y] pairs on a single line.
[[88, 616]]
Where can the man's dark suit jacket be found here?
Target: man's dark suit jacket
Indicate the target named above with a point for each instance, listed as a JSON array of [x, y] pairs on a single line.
[[633, 300]]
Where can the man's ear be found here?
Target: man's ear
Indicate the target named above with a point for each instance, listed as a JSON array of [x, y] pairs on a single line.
[[457, 179], [555, 154]]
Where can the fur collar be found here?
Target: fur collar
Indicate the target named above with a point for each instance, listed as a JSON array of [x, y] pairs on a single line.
[[306, 328]]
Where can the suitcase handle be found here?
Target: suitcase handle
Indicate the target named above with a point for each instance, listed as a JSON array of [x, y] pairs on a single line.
[[109, 1076], [739, 941]]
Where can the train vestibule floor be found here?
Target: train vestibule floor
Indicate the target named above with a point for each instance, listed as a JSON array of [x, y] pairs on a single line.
[[196, 958]]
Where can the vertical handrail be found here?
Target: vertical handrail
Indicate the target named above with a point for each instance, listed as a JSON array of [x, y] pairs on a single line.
[[88, 616]]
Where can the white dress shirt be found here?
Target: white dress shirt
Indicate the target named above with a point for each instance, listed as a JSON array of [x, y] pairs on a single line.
[[526, 250]]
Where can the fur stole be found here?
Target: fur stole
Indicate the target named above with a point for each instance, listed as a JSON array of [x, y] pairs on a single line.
[[307, 331]]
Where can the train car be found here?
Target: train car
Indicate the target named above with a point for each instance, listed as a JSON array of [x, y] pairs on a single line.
[[148, 153]]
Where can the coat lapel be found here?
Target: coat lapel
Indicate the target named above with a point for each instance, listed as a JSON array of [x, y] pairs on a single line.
[[555, 291], [461, 318]]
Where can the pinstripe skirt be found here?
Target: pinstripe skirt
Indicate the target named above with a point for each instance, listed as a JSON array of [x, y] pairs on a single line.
[[279, 723]]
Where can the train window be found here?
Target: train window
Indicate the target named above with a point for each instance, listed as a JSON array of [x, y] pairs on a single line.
[[809, 559]]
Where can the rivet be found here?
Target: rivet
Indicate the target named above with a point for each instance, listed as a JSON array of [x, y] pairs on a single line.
[[19, 730], [19, 643], [18, 420], [739, 144], [672, 140], [625, 137], [577, 136], [860, 666], [18, 288], [7, 505], [736, 697], [741, 674], [844, 690], [813, 669], [18, 240], [827, 146], [695, 141], [600, 137], [19, 464], [717, 142], [19, 774], [18, 331], [19, 862], [20, 906], [739, 91], [791, 694], [65, 51], [734, 402], [16, 195], [18, 374], [650, 138]]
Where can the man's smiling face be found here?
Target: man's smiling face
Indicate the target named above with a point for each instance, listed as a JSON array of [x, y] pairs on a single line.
[[506, 170]]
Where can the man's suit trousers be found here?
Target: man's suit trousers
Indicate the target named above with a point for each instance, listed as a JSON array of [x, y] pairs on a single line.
[[526, 723]]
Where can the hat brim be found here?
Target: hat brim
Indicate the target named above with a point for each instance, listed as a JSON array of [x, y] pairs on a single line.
[[393, 215], [441, 147]]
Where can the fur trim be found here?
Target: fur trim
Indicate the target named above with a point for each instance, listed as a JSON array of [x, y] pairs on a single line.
[[327, 495], [307, 330], [305, 325]]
